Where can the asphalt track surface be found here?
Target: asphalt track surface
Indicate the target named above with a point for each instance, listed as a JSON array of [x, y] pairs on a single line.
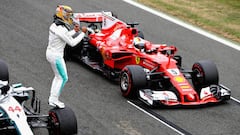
[[99, 107]]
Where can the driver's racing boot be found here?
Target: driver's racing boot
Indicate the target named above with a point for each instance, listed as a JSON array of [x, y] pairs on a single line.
[[53, 101]]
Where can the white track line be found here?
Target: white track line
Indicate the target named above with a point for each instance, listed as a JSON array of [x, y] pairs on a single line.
[[185, 25], [236, 100]]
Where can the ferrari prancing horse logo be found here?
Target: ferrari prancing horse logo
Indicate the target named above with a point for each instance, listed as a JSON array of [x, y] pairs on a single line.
[[137, 60]]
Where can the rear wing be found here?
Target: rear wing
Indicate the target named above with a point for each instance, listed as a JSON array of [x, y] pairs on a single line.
[[91, 16], [105, 18], [111, 22]]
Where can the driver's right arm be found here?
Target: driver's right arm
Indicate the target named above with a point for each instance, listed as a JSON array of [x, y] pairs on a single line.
[[66, 35]]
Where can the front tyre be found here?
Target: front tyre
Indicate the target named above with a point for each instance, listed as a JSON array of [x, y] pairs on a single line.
[[132, 78], [205, 73], [62, 122], [4, 74]]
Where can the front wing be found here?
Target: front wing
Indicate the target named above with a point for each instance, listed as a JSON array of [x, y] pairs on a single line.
[[169, 98]]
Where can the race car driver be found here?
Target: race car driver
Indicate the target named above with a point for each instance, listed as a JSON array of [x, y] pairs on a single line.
[[60, 34], [145, 46], [139, 43]]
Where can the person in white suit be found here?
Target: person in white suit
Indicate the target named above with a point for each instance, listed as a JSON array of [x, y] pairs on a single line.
[[60, 35]]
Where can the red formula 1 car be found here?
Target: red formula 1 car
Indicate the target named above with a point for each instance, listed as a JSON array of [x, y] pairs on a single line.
[[151, 72]]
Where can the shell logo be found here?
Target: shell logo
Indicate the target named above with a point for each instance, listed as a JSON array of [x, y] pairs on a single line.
[[137, 60], [185, 87], [179, 79]]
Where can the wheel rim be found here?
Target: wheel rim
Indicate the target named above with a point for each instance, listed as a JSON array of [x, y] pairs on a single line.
[[124, 81], [199, 76], [53, 123]]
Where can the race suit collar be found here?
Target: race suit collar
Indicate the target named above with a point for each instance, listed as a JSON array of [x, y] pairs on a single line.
[[58, 21]]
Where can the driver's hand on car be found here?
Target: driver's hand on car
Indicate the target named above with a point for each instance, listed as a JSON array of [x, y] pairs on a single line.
[[84, 29], [76, 27]]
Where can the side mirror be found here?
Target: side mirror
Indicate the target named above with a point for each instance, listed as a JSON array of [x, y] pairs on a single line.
[[134, 31]]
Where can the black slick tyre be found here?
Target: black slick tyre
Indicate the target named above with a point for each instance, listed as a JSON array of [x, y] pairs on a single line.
[[4, 74], [205, 73], [62, 122], [132, 78]]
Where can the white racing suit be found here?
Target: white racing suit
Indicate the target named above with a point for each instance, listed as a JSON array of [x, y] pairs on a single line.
[[59, 36]]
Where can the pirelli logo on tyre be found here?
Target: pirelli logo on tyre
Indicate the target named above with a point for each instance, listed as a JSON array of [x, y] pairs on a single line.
[[137, 59]]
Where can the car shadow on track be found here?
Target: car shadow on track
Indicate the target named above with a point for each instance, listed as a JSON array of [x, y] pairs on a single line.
[[80, 63]]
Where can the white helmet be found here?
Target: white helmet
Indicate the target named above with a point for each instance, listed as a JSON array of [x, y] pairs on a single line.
[[139, 43]]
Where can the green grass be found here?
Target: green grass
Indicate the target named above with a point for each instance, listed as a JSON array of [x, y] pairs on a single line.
[[218, 16]]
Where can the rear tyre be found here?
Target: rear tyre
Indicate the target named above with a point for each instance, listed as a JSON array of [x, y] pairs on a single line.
[[132, 78], [205, 73], [62, 122]]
